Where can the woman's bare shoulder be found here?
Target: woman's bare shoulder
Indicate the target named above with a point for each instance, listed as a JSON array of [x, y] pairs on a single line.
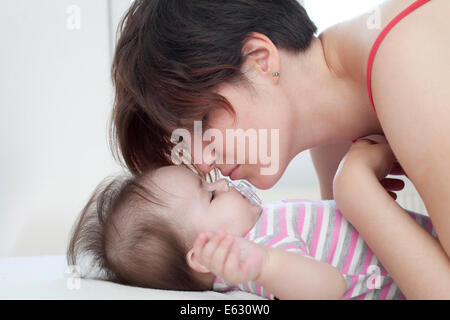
[[412, 57], [354, 38], [410, 88]]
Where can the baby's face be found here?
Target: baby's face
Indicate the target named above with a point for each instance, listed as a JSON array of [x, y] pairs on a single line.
[[199, 206]]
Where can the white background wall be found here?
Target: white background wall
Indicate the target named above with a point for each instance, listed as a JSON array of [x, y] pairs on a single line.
[[55, 99], [55, 102]]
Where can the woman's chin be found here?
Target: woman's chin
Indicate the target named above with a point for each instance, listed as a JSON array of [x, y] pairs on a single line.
[[264, 182]]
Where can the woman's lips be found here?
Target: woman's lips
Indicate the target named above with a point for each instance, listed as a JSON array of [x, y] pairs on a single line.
[[234, 174]]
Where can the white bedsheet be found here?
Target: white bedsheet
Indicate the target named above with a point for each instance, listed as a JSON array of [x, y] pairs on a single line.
[[46, 277]]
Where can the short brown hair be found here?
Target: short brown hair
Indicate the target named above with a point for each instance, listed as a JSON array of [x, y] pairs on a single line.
[[171, 54], [127, 242]]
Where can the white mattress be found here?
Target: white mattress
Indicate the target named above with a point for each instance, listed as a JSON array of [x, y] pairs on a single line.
[[46, 277]]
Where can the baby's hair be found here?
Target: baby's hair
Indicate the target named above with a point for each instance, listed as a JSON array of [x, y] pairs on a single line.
[[123, 233]]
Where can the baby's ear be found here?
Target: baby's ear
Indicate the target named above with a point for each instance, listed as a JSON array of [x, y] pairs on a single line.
[[193, 262]]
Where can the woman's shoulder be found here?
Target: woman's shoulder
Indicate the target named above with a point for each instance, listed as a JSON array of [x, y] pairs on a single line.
[[353, 39], [407, 49]]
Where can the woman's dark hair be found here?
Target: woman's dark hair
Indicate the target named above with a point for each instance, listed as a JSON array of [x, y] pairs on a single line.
[[171, 54], [123, 239]]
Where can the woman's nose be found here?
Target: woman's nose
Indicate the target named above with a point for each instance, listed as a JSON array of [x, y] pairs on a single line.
[[204, 167], [204, 161], [207, 163]]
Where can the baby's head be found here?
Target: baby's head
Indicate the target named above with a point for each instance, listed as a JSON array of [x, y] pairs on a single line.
[[140, 231]]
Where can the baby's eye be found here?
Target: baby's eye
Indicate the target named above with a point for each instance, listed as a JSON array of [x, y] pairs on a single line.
[[212, 195]]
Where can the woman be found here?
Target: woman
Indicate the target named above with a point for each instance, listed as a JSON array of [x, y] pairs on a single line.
[[257, 64]]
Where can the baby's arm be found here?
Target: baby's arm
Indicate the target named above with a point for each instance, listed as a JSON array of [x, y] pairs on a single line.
[[326, 161], [413, 258], [287, 275], [292, 276]]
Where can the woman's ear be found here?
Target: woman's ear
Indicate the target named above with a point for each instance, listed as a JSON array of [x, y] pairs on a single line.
[[192, 261], [259, 49]]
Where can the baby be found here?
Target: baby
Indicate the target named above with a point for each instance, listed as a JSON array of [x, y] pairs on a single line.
[[169, 229]]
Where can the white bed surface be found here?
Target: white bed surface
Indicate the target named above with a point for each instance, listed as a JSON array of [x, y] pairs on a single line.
[[46, 277]]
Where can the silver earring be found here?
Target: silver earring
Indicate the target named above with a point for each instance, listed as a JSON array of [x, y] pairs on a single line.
[[276, 74]]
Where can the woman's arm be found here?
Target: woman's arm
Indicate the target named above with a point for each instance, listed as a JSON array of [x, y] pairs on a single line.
[[415, 260], [414, 108], [326, 160]]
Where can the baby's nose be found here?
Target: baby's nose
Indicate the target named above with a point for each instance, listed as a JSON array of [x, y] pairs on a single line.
[[223, 185]]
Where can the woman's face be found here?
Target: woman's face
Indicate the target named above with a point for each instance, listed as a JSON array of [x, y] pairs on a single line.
[[262, 114]]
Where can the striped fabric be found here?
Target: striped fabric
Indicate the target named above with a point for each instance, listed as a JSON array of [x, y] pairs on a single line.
[[317, 229]]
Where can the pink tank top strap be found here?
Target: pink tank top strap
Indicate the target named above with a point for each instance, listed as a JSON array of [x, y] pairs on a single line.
[[381, 37]]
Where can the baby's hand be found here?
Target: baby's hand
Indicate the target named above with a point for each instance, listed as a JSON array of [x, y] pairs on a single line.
[[375, 156], [234, 259]]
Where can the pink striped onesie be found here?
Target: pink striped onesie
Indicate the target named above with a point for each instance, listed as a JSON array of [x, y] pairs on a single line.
[[317, 229]]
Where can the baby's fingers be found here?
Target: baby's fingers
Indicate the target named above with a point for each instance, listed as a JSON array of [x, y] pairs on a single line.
[[221, 254], [231, 271], [200, 243], [210, 247]]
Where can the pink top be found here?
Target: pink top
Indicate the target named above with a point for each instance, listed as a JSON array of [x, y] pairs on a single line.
[[317, 230]]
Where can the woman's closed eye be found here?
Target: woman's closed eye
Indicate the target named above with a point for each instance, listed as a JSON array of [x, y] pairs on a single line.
[[213, 194], [205, 120]]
